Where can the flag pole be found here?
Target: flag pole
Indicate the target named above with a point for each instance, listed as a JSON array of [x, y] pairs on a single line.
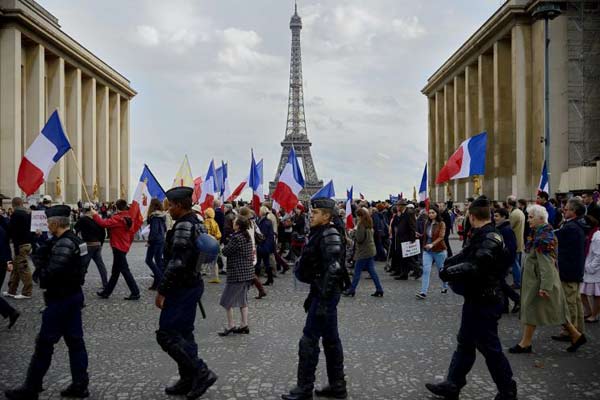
[[80, 176]]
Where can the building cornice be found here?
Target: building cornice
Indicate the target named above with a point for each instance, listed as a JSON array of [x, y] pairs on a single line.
[[34, 19]]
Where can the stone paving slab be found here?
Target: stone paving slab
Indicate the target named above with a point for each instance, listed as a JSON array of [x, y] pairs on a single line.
[[393, 345]]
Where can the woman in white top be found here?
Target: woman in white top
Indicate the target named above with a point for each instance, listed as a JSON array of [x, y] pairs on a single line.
[[590, 290]]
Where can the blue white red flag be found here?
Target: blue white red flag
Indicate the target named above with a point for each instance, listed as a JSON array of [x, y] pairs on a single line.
[[147, 189], [423, 195], [467, 160], [544, 186], [326, 192], [255, 183], [42, 155], [209, 188], [225, 190], [290, 184], [349, 219]]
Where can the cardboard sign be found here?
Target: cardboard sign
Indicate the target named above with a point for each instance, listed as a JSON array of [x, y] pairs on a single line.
[[410, 249], [39, 222]]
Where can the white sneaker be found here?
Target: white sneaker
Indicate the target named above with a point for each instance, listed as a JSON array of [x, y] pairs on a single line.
[[21, 297], [6, 294]]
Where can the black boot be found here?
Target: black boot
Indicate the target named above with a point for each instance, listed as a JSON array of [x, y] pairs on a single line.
[[204, 379], [334, 360], [13, 318], [334, 391], [447, 390], [308, 358], [183, 385], [509, 393], [76, 391], [21, 393]]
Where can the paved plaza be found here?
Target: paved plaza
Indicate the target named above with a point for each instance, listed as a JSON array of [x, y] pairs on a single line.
[[393, 345]]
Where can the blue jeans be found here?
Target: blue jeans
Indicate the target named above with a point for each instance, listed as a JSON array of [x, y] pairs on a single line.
[[154, 260], [516, 270], [429, 257], [369, 265]]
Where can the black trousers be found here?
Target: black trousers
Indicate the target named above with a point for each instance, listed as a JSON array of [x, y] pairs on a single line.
[[119, 267], [5, 309]]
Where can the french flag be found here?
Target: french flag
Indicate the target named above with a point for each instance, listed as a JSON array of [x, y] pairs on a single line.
[[209, 188], [467, 161], [238, 190], [290, 184], [225, 190], [423, 188], [255, 182], [326, 192], [147, 189], [349, 219], [42, 155], [544, 186]]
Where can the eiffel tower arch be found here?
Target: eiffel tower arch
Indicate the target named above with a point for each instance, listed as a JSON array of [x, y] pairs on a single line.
[[295, 132]]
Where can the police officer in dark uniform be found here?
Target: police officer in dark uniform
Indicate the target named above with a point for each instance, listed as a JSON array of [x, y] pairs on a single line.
[[62, 273], [178, 295], [320, 264], [476, 273]]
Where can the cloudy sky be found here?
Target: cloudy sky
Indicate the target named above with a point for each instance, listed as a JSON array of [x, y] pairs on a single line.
[[212, 78]]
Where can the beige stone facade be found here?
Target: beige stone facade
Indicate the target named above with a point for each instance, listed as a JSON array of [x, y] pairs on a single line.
[[495, 83], [42, 69]]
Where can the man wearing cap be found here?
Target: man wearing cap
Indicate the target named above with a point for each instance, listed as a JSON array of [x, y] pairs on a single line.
[[121, 237], [178, 294], [320, 265], [476, 273], [62, 274], [403, 228]]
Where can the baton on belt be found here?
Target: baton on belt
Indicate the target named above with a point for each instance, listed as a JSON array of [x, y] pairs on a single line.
[[202, 311]]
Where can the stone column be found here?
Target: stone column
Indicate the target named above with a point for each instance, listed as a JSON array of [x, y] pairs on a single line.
[[88, 159], [431, 143], [486, 118], [115, 145], [448, 134], [55, 79], [439, 143], [35, 110], [125, 147], [459, 129], [11, 150], [471, 111], [503, 122], [522, 114], [102, 143], [75, 133]]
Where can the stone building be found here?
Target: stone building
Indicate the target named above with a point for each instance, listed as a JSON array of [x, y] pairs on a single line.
[[43, 69], [495, 82]]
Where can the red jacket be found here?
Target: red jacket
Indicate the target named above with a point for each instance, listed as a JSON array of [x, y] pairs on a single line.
[[120, 232]]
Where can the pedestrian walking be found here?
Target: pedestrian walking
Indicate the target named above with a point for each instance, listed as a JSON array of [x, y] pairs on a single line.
[[19, 232], [434, 248], [6, 265], [590, 290], [157, 221], [503, 225], [402, 229], [213, 230], [266, 248], [93, 235]]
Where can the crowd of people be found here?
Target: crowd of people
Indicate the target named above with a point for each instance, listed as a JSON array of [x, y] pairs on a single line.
[[550, 248]]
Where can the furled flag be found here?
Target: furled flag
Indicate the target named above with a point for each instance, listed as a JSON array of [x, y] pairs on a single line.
[[349, 219], [362, 196], [290, 184], [219, 180], [423, 189], [544, 186], [184, 175], [327, 192], [209, 188], [42, 155], [225, 190], [197, 189], [147, 189], [467, 161], [255, 183]]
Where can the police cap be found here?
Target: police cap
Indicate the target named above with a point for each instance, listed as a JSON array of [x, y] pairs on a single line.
[[323, 203], [58, 211], [180, 192]]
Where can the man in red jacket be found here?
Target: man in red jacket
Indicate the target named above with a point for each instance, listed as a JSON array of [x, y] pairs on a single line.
[[121, 237]]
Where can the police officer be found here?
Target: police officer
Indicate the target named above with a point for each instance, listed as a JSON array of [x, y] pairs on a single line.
[[62, 274], [476, 273], [320, 265], [178, 294]]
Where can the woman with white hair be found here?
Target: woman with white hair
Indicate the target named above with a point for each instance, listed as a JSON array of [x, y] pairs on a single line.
[[542, 297]]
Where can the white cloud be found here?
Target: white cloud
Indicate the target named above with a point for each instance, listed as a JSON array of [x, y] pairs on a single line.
[[148, 35], [240, 50], [408, 28]]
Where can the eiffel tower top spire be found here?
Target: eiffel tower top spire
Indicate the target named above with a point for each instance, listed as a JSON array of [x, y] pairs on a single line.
[[295, 132]]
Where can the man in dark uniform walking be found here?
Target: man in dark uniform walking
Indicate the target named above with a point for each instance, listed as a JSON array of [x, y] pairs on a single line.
[[476, 273], [403, 228], [178, 294], [320, 265], [62, 274]]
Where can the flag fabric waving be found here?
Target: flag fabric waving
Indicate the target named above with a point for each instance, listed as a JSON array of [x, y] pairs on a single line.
[[184, 175], [225, 190], [238, 190], [349, 219], [327, 192], [197, 189], [467, 160], [43, 154], [423, 187], [219, 179], [147, 189], [544, 186], [209, 188], [255, 183], [290, 184]]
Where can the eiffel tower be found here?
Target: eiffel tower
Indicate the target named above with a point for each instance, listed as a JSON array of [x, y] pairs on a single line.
[[295, 132]]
